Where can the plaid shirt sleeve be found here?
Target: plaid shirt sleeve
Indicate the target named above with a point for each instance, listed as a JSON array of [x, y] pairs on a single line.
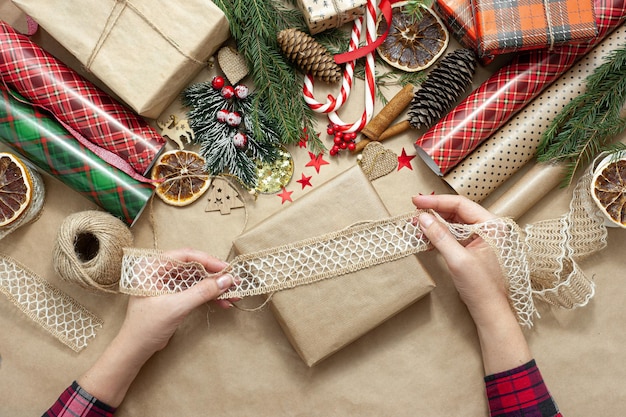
[[76, 402], [520, 392]]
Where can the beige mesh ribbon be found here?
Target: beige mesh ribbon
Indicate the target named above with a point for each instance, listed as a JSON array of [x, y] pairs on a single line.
[[149, 272], [538, 263], [555, 246], [52, 309]]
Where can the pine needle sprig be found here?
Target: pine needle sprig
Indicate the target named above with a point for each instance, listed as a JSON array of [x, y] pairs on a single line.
[[254, 25], [586, 124]]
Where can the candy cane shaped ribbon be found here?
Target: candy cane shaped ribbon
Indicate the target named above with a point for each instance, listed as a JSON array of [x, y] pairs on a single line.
[[332, 105]]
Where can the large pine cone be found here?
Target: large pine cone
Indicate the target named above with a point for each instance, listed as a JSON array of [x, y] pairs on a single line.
[[443, 86], [311, 57]]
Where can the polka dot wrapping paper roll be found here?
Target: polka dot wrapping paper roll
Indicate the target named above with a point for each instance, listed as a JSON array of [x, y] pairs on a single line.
[[505, 93], [515, 143]]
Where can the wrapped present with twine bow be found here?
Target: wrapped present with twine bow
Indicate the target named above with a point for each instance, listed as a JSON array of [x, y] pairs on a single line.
[[519, 25], [328, 14], [144, 51], [323, 317]]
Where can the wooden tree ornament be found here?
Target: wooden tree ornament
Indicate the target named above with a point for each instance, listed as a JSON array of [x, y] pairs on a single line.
[[223, 196]]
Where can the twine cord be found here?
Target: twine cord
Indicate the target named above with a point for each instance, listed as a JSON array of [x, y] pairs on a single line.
[[89, 248], [116, 11]]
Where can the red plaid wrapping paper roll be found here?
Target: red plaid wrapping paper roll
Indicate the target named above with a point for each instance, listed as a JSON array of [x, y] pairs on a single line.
[[506, 92], [89, 113], [519, 25]]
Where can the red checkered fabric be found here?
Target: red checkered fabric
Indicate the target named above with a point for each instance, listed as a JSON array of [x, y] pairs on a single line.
[[520, 392], [76, 402], [506, 92], [75, 102], [517, 25]]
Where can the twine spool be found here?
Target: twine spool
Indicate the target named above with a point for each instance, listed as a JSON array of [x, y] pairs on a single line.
[[89, 250]]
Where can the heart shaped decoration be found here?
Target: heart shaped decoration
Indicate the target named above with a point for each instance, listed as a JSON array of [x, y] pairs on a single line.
[[233, 64], [377, 161]]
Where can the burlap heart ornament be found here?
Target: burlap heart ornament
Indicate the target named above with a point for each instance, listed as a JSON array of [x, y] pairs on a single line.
[[232, 64], [377, 161]]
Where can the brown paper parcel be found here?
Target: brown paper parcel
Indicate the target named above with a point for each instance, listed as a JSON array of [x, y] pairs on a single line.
[[145, 51], [321, 318]]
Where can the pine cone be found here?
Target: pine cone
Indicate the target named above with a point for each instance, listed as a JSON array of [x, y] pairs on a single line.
[[311, 57], [443, 86]]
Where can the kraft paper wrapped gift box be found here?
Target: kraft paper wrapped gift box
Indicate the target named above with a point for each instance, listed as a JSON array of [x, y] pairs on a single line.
[[145, 51], [321, 318]]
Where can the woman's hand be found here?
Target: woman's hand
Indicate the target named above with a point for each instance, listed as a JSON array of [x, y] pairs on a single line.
[[151, 321], [478, 278], [149, 324]]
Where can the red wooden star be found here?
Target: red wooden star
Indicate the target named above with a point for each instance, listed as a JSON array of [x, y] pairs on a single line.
[[404, 160], [285, 195], [305, 181], [316, 161], [302, 142]]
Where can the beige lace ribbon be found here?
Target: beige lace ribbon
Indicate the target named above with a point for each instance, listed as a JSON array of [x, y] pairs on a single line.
[[149, 272], [46, 305]]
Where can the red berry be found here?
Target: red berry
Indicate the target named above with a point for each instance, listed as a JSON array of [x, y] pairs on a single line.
[[343, 145], [222, 115], [330, 130], [351, 146], [233, 119], [228, 92], [217, 82], [337, 140], [241, 91], [240, 140], [350, 135]]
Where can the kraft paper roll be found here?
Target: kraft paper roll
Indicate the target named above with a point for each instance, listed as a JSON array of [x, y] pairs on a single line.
[[528, 190], [515, 144]]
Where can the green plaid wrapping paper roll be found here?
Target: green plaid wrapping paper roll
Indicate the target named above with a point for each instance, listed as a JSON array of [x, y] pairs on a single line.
[[42, 140]]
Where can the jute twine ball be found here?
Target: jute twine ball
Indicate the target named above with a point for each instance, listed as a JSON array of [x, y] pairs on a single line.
[[89, 250]]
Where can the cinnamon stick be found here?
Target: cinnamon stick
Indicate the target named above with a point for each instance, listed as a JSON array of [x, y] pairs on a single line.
[[389, 113], [390, 132]]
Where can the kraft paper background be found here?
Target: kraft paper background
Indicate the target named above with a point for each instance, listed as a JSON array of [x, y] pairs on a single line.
[[425, 361]]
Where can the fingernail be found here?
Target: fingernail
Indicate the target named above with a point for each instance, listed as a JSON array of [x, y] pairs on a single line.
[[225, 281], [426, 219]]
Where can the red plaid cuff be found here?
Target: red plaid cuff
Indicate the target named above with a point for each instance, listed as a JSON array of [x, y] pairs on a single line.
[[76, 402], [520, 392]]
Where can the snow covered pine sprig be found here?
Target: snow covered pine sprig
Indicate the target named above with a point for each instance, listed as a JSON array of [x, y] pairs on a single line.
[[232, 137]]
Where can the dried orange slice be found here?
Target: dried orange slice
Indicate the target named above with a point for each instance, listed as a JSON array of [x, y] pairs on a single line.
[[183, 176], [412, 45], [609, 188], [16, 188]]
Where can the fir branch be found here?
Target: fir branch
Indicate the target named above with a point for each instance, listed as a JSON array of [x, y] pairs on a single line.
[[254, 25], [586, 124], [416, 7]]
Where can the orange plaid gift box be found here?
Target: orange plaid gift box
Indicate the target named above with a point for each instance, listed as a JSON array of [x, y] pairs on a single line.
[[504, 26], [458, 16]]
